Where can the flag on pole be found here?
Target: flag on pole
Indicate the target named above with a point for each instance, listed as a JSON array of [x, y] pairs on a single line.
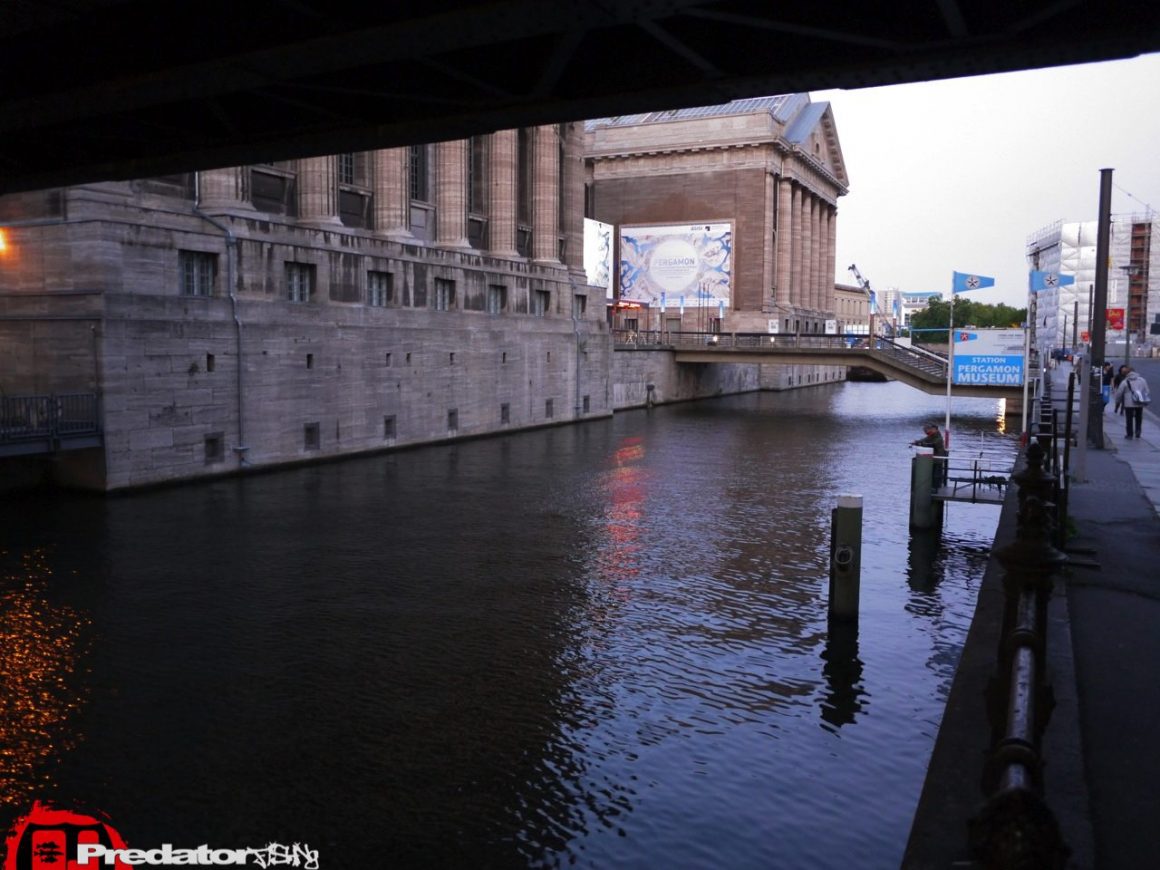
[[964, 282], [1049, 281], [662, 302]]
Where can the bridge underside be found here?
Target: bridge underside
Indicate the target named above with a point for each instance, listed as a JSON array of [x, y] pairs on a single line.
[[115, 89], [870, 360]]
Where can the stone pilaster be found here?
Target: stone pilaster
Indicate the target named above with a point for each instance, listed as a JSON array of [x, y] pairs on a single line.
[[783, 276], [224, 190], [796, 265], [501, 201], [832, 244], [816, 260], [451, 194], [318, 192], [573, 171], [546, 195], [807, 294], [392, 193]]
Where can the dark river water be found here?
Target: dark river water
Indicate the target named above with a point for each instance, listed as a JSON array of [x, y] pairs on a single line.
[[597, 646]]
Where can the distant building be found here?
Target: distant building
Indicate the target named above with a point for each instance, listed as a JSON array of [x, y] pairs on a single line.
[[1061, 317], [852, 309], [911, 303], [726, 215]]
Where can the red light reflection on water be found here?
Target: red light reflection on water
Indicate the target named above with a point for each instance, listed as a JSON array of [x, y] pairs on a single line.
[[41, 644]]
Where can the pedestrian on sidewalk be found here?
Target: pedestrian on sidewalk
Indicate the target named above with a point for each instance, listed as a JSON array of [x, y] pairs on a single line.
[[1119, 379], [1107, 375], [1133, 394]]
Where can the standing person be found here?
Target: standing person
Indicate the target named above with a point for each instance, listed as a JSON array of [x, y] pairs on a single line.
[[1133, 394], [1107, 375], [933, 438], [1119, 379]]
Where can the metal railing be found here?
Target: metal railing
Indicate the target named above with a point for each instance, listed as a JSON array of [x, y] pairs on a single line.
[[48, 417], [924, 363]]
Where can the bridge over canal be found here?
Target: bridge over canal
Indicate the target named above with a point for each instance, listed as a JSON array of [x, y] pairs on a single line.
[[913, 366]]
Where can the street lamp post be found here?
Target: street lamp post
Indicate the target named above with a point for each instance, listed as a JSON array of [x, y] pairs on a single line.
[[1129, 273]]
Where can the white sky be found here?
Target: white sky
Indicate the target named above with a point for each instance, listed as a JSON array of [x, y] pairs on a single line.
[[955, 175]]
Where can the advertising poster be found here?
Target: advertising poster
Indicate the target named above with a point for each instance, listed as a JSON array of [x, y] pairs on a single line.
[[692, 263], [1115, 317], [598, 254], [990, 357]]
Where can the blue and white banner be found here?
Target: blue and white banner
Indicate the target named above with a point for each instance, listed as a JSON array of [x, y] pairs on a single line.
[[1049, 280], [962, 282], [989, 357]]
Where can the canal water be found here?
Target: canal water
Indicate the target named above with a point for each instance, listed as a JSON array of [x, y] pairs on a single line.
[[600, 646]]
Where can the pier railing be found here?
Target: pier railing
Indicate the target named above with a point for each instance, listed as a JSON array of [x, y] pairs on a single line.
[[43, 423], [1016, 827]]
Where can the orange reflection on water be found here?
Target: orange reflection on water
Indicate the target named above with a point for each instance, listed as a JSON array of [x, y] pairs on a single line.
[[41, 644], [623, 517], [1002, 417]]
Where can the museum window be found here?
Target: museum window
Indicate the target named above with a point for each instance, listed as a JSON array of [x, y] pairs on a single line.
[[541, 302], [299, 282], [579, 306], [311, 436], [444, 297], [505, 413], [198, 272], [453, 420], [389, 427], [549, 408], [496, 298], [420, 169], [346, 174], [380, 288]]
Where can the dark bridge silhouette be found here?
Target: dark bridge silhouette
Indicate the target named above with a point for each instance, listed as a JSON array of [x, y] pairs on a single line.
[[917, 368]]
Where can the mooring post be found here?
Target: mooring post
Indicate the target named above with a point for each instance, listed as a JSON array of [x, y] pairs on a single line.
[[922, 504], [845, 557]]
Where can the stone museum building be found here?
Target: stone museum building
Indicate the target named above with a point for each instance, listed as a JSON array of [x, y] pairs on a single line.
[[253, 316]]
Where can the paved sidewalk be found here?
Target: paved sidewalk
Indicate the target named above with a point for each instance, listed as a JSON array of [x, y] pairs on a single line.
[[1112, 599]]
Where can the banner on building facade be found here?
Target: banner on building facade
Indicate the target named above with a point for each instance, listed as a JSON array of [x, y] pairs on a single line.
[[598, 254], [990, 357], [1115, 318], [693, 261]]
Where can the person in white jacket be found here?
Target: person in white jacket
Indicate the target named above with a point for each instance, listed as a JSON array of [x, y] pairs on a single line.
[[1133, 394]]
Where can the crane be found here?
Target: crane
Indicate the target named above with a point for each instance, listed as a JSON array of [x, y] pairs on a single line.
[[865, 285]]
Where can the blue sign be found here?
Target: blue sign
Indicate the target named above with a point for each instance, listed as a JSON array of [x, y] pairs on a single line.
[[989, 357]]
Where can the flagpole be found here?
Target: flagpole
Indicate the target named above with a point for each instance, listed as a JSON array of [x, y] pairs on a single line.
[[950, 364], [1026, 368]]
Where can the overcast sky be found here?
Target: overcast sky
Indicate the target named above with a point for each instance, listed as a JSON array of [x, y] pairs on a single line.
[[955, 175]]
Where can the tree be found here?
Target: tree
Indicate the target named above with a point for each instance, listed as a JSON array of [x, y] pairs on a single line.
[[967, 313]]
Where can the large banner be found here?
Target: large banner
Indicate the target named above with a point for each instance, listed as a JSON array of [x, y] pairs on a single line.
[[992, 357], [598, 254], [677, 265]]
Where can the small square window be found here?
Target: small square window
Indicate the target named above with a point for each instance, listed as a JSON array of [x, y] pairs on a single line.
[[311, 436], [579, 306], [215, 449], [309, 360], [209, 362], [453, 420], [505, 413], [451, 358], [389, 427], [387, 359], [549, 409], [587, 405]]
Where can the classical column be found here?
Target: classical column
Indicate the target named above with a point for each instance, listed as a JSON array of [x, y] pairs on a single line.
[[816, 263], [546, 195], [392, 194], [573, 209], [451, 194], [798, 241], [807, 294], [501, 200], [831, 242], [783, 275], [224, 189], [318, 192]]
